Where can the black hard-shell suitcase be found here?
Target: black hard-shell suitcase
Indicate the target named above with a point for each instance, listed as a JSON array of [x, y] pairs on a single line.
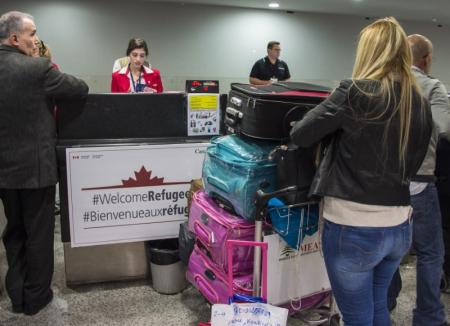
[[268, 111]]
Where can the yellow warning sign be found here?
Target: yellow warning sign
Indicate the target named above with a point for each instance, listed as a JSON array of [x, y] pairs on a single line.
[[203, 102]]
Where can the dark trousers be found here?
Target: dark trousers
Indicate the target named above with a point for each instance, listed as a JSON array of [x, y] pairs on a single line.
[[444, 201], [28, 240], [429, 247]]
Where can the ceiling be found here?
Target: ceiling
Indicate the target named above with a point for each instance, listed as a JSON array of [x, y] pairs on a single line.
[[432, 11]]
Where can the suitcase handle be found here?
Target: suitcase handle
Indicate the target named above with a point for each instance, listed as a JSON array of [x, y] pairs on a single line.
[[287, 125], [202, 233], [205, 288], [218, 184], [234, 113], [230, 122], [236, 101], [223, 203]]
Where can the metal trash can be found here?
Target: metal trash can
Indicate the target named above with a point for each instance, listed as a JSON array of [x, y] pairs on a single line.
[[168, 272]]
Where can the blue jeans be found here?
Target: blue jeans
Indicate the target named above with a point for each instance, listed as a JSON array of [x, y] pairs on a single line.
[[429, 246], [360, 262], [394, 289]]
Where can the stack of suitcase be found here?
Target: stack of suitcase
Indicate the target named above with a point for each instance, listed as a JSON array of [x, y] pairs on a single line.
[[207, 267], [259, 119]]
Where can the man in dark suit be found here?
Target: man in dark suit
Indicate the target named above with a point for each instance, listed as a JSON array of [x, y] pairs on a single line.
[[28, 172]]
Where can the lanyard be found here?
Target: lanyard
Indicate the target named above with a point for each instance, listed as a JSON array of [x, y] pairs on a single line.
[[132, 80]]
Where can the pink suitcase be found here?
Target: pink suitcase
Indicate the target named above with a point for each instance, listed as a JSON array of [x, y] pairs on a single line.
[[213, 226], [212, 282]]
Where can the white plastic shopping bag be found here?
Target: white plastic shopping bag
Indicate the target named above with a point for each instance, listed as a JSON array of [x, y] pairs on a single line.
[[293, 274], [247, 314]]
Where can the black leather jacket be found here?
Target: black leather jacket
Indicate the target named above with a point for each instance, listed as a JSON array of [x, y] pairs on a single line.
[[361, 163]]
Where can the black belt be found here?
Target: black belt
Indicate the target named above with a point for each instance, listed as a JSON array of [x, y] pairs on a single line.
[[424, 178]]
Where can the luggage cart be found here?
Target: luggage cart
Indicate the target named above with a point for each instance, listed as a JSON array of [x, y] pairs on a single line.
[[321, 312], [319, 308]]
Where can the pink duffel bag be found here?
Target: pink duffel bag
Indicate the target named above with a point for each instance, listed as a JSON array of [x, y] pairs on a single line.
[[213, 226]]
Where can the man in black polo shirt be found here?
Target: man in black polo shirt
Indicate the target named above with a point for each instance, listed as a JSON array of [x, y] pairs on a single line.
[[270, 69]]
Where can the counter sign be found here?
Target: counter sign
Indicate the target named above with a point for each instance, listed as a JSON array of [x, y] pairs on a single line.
[[129, 193]]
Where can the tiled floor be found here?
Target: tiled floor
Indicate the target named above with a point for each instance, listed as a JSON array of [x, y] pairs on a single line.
[[135, 303]]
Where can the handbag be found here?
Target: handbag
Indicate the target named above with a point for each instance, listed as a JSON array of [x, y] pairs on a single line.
[[295, 167]]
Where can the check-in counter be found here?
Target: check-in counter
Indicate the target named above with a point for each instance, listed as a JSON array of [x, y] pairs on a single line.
[[131, 154]]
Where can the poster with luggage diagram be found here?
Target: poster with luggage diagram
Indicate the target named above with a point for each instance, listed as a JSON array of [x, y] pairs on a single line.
[[203, 114]]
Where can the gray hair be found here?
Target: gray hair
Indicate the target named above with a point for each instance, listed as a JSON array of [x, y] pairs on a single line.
[[12, 22]]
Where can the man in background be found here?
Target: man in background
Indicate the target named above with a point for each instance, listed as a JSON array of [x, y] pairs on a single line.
[[427, 223], [270, 69]]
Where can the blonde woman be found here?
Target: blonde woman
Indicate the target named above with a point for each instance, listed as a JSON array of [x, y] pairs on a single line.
[[380, 128]]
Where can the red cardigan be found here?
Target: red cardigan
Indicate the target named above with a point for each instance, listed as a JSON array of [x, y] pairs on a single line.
[[120, 82]]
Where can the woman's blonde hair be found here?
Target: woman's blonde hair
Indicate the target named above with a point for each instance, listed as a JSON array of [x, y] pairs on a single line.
[[384, 54]]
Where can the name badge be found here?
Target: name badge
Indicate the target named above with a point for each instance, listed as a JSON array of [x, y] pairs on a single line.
[[140, 88]]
